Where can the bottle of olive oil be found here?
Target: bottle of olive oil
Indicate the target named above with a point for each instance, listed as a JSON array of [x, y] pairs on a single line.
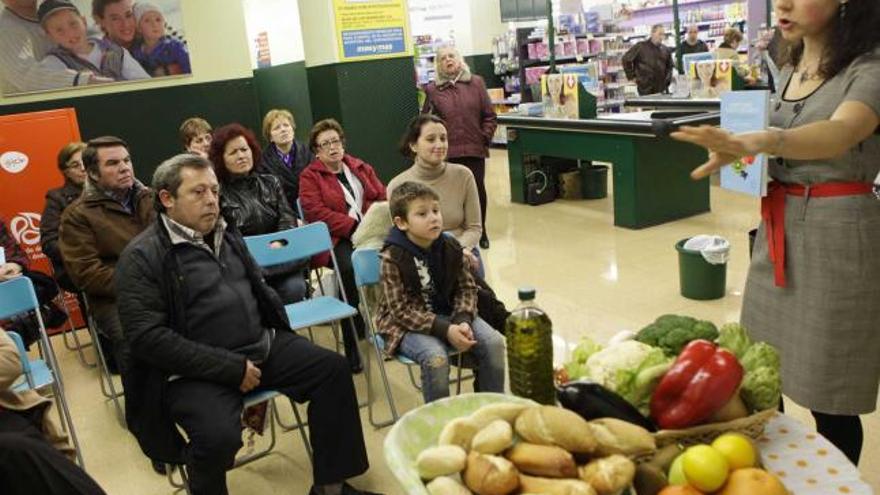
[[530, 350]]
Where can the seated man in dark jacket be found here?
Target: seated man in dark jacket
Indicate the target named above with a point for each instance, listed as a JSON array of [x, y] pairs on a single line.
[[205, 329]]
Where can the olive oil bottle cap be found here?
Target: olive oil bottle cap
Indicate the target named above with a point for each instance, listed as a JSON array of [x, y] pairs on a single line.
[[526, 293]]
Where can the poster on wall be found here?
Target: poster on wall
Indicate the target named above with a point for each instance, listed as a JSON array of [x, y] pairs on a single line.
[[28, 148], [371, 29], [67, 44]]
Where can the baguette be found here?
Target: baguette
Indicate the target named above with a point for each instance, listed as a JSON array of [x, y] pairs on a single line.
[[440, 461], [616, 436], [609, 475], [543, 460], [545, 486], [490, 475], [445, 485], [459, 431], [549, 425], [496, 437], [508, 411]]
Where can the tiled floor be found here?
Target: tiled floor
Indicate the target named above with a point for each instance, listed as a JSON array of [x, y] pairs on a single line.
[[592, 278]]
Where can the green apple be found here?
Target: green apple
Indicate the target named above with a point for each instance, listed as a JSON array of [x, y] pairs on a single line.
[[676, 472]]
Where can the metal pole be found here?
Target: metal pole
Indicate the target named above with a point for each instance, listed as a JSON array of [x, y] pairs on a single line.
[[551, 38], [676, 27]]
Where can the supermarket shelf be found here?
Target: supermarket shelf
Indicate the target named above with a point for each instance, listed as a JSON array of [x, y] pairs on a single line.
[[682, 6], [566, 58]]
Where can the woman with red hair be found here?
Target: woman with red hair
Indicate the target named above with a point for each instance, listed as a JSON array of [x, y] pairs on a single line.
[[254, 202]]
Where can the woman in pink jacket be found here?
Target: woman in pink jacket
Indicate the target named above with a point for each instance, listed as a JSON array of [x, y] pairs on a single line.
[[460, 99]]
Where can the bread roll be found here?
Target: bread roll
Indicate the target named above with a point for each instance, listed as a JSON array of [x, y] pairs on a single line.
[[445, 485], [546, 486], [508, 411], [440, 461], [490, 475], [549, 425], [543, 460], [459, 431], [494, 438], [616, 436], [609, 475]]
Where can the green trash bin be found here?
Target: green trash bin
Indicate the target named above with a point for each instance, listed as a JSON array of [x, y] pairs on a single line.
[[698, 278], [594, 181]]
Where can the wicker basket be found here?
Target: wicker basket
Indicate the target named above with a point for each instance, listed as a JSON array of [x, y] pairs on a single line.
[[751, 426]]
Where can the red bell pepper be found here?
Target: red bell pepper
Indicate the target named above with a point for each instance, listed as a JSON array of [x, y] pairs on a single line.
[[700, 382]]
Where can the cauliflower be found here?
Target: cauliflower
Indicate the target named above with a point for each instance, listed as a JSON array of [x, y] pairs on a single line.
[[631, 369]]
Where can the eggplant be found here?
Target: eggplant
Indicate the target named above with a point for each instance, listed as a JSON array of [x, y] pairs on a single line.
[[593, 401]]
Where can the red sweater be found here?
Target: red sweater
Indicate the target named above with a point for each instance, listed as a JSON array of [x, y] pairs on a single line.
[[322, 199], [467, 110]]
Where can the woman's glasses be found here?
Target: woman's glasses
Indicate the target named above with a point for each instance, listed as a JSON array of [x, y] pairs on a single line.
[[330, 144]]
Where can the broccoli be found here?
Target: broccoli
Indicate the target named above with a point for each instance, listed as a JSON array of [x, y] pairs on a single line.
[[672, 332]]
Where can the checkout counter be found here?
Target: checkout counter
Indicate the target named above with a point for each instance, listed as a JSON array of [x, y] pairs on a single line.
[[668, 102], [650, 170]]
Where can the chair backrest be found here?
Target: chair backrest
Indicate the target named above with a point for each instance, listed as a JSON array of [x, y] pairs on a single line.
[[366, 266], [17, 296], [22, 352], [298, 244]]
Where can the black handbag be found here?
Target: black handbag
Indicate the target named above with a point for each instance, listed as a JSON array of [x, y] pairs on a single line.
[[539, 189]]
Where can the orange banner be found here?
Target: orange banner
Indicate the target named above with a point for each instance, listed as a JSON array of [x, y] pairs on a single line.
[[29, 144]]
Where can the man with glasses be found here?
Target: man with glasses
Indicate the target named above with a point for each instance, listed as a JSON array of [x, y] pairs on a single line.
[[57, 200]]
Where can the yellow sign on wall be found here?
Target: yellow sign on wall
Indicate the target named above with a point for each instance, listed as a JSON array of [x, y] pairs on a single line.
[[370, 29]]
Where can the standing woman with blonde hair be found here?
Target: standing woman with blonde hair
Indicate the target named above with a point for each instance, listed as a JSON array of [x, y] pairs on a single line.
[[460, 99], [812, 289]]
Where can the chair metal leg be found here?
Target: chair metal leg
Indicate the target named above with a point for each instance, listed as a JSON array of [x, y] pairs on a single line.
[[389, 397], [77, 345], [183, 484], [108, 388], [301, 426], [458, 378]]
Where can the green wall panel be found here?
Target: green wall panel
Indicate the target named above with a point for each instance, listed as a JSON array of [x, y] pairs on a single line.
[[482, 66], [373, 101], [286, 86], [148, 120]]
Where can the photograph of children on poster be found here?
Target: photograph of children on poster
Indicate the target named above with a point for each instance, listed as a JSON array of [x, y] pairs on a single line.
[[59, 44]]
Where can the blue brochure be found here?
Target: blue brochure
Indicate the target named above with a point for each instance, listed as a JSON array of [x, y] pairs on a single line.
[[746, 111]]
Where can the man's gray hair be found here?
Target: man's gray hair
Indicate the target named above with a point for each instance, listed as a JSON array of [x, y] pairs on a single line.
[[168, 175]]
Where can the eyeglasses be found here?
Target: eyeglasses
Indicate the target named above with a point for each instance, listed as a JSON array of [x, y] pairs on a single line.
[[330, 144], [73, 164]]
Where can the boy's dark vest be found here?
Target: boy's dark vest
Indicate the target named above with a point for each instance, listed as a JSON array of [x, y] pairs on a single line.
[[111, 60]]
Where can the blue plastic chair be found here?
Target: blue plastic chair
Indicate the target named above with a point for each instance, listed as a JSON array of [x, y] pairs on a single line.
[[17, 297], [302, 243], [367, 265]]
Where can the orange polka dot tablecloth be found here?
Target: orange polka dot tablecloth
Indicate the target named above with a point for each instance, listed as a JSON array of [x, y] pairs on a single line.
[[806, 462]]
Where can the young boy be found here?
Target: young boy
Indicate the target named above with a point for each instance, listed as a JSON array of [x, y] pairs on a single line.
[[65, 26], [158, 53], [430, 302]]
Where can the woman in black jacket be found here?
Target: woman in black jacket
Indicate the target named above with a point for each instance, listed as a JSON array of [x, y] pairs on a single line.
[[284, 157], [255, 202]]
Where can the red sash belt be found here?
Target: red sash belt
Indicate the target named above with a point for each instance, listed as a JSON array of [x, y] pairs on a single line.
[[773, 213]]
